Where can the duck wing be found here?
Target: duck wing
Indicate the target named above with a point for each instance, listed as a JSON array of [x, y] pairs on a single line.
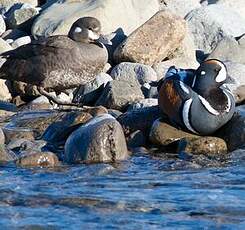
[[32, 62]]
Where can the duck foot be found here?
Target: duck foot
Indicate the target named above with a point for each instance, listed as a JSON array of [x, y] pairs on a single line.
[[54, 99]]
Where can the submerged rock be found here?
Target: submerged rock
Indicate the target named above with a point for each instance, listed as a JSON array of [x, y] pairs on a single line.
[[99, 140], [145, 44], [164, 134]]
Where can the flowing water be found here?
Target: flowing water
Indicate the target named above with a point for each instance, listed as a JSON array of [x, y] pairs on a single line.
[[141, 193]]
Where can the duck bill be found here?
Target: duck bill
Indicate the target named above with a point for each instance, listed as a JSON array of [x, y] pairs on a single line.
[[104, 40]]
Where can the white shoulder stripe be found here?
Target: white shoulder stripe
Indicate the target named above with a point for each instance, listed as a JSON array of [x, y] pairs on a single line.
[[226, 92], [183, 87], [185, 115], [208, 106], [194, 81]]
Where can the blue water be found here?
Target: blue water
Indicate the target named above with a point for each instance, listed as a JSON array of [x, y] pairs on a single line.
[[141, 193]]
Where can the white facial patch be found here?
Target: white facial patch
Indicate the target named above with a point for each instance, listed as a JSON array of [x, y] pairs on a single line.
[[203, 73], [78, 30], [185, 115], [222, 73], [92, 35]]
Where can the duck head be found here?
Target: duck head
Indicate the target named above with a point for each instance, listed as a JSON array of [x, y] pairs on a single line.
[[210, 75], [87, 30]]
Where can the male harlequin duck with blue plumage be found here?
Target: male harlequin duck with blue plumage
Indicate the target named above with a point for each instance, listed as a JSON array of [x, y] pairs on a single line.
[[197, 100]]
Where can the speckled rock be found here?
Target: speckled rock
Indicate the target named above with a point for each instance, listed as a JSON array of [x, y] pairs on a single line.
[[119, 94], [180, 7], [234, 131], [100, 140], [139, 119], [21, 18], [129, 14], [230, 49], [2, 25], [149, 102], [131, 72], [164, 134], [209, 146], [4, 46], [145, 44], [209, 25], [21, 41], [38, 159], [237, 72]]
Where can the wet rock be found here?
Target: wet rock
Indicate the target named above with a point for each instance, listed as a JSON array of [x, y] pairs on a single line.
[[13, 34], [100, 140], [21, 41], [53, 22], [89, 93], [136, 139], [131, 72], [164, 134], [2, 25], [209, 25], [140, 119], [145, 44], [230, 49], [4, 46], [58, 132], [234, 131], [21, 18], [38, 159], [237, 72], [149, 102], [119, 94], [6, 155], [180, 7], [209, 146]]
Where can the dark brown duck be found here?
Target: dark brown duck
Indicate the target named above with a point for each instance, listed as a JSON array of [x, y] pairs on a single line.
[[59, 62]]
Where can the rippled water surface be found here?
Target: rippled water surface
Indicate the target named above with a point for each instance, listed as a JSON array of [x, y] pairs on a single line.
[[141, 193]]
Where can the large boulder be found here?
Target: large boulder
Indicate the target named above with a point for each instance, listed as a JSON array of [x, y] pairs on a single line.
[[125, 15], [154, 41], [209, 24], [100, 140]]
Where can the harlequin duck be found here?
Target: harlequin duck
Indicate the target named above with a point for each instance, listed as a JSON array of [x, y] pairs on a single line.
[[199, 102], [59, 62]]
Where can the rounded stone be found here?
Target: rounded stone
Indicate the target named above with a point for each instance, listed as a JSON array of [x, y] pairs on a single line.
[[99, 140]]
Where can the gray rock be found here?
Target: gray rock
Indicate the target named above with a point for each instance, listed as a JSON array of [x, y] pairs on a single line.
[[2, 137], [89, 93], [21, 18], [208, 146], [236, 5], [129, 14], [131, 72], [164, 134], [2, 25], [234, 131], [13, 34], [149, 102], [4, 46], [119, 94], [180, 7], [230, 49], [139, 119], [38, 159], [21, 41], [237, 72], [209, 25], [100, 140], [5, 5], [145, 44], [6, 155]]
